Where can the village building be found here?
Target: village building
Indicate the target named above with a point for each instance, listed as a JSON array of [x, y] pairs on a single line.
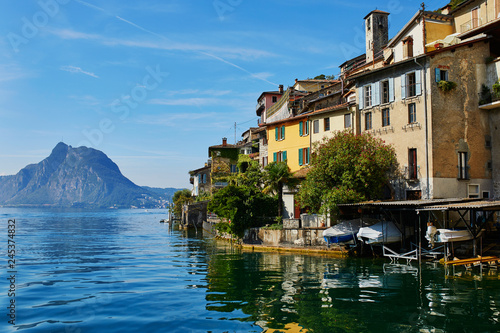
[[200, 179], [424, 101], [224, 163]]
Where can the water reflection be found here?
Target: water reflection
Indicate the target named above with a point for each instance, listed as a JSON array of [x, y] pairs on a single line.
[[324, 294]]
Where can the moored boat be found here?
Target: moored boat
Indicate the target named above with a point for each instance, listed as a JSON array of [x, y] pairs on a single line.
[[382, 232], [345, 232], [435, 235]]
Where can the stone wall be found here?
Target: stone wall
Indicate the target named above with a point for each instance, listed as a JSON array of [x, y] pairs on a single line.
[[297, 237]]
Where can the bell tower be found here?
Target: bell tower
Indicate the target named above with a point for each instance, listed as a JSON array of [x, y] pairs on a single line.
[[377, 33]]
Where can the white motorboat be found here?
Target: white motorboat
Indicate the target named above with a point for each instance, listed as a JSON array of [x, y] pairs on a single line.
[[435, 235], [382, 232], [345, 232]]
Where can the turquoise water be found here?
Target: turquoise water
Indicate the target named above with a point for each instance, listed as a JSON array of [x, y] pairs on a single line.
[[123, 271]]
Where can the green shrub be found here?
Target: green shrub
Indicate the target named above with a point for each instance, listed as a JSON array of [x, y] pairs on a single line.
[[446, 86]]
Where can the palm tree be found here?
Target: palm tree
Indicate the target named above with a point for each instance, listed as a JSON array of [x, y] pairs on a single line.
[[277, 175]]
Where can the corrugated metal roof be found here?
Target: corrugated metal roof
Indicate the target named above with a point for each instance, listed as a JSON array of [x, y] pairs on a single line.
[[413, 203], [489, 205]]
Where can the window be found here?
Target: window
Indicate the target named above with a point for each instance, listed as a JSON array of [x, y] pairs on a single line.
[[486, 194], [368, 121], [412, 164], [304, 156], [473, 190], [234, 168], [279, 133], [441, 74], [462, 166], [408, 47], [385, 91], [411, 85], [368, 96], [264, 161], [274, 99], [316, 126], [304, 128], [347, 120], [386, 121], [475, 17], [412, 113], [279, 156], [326, 122], [204, 178]]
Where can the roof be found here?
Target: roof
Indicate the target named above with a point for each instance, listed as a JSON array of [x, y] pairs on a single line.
[[270, 93], [485, 28], [302, 173], [409, 203], [376, 11], [193, 172], [407, 26], [483, 205], [224, 146]]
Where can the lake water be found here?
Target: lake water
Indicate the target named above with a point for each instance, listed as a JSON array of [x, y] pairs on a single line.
[[123, 271]]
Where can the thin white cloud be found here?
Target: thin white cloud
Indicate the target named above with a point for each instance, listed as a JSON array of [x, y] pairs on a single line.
[[77, 70], [195, 101]]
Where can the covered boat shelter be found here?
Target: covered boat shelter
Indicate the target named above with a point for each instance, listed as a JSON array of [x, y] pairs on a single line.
[[413, 216], [473, 215]]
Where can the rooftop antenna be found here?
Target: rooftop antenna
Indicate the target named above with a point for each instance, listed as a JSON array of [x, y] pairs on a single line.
[[234, 132]]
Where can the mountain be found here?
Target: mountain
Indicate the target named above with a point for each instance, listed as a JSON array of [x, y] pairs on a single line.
[[75, 177]]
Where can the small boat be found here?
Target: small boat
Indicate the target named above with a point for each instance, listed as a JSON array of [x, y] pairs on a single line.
[[434, 235], [345, 232], [382, 232]]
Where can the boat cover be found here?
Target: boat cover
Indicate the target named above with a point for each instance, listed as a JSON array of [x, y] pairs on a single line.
[[382, 232]]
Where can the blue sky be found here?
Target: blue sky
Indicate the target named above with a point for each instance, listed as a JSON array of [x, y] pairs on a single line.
[[153, 83]]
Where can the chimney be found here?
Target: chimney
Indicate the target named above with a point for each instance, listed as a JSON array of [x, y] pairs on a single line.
[[281, 88], [224, 142], [296, 80]]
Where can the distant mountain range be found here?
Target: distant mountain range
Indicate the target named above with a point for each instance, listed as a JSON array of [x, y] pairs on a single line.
[[78, 177]]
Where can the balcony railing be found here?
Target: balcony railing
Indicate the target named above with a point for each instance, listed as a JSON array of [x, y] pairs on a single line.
[[474, 23]]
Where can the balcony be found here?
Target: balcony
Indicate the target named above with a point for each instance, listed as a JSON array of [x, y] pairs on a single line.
[[260, 107], [472, 24]]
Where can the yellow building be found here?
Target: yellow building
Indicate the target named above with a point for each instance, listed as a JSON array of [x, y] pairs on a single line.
[[289, 140]]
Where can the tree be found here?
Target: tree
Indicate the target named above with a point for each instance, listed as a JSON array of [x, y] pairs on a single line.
[[244, 206], [277, 175], [347, 168], [180, 198]]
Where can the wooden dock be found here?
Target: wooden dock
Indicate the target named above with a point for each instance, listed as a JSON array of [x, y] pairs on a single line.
[[490, 260]]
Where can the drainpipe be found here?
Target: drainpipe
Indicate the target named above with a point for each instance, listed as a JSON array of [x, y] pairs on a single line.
[[427, 194]]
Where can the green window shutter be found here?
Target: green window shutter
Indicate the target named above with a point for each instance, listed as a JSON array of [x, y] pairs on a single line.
[[301, 160], [307, 127], [307, 155], [276, 129], [284, 156], [301, 130], [283, 132], [275, 157]]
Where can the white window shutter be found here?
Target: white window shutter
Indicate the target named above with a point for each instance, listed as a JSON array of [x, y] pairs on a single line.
[[418, 82], [403, 86], [391, 89], [375, 93], [361, 91]]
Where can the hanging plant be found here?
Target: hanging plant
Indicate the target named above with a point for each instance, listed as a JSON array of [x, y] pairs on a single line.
[[496, 89], [446, 86]]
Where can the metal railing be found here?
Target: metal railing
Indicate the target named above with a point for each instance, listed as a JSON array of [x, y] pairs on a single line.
[[474, 23]]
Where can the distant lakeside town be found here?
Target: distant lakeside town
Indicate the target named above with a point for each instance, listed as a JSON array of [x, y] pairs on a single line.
[[429, 97]]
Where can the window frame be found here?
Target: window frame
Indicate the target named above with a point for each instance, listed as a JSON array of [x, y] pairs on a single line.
[[368, 121], [412, 113], [385, 96], [412, 163], [367, 95], [274, 99], [316, 126], [463, 172], [386, 117], [347, 116], [326, 124]]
